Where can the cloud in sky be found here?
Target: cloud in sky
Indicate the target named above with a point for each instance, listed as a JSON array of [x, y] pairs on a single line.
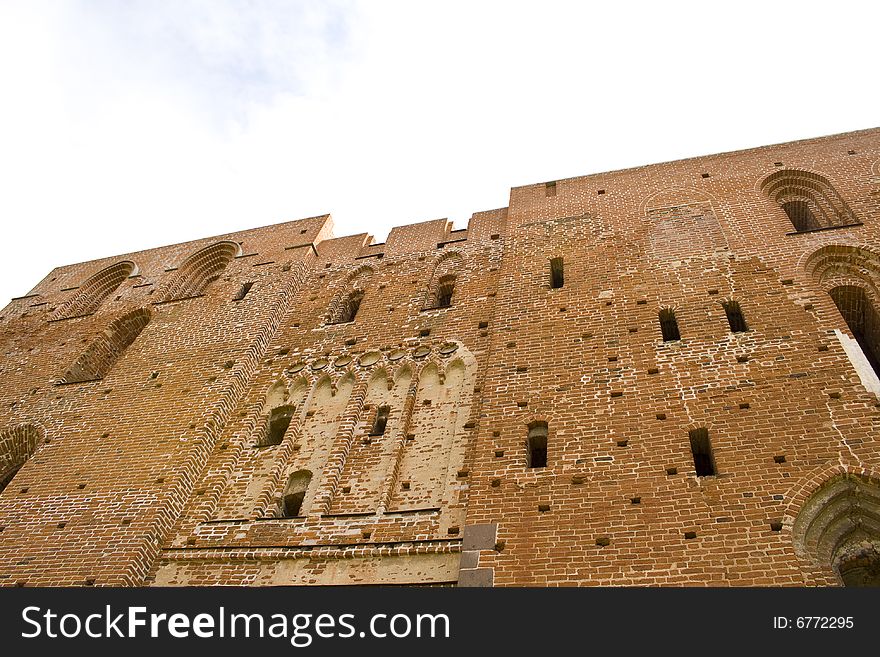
[[128, 125]]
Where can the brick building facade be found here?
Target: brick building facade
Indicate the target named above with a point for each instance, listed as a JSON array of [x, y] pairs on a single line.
[[660, 376]]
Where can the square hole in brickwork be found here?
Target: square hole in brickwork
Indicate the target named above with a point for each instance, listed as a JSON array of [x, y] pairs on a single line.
[[453, 531], [704, 175], [328, 265], [633, 329], [742, 359], [496, 483], [690, 535], [424, 333], [822, 347], [713, 292], [622, 443], [366, 533], [850, 152], [62, 525], [834, 394], [510, 345], [744, 405], [483, 325], [577, 480], [612, 359], [776, 525], [346, 489], [661, 416], [23, 490], [522, 404], [522, 368], [787, 281], [404, 485], [563, 309], [635, 500], [616, 393], [603, 541], [780, 458], [600, 192], [653, 370], [81, 486], [671, 471], [426, 402], [494, 236], [543, 508]]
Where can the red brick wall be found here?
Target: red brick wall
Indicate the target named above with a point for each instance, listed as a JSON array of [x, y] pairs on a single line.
[[152, 474]]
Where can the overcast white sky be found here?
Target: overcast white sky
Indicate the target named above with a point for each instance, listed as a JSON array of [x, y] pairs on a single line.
[[129, 125]]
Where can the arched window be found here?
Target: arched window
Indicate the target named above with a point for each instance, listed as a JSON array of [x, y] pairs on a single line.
[[277, 425], [95, 290], [809, 200], [107, 348], [295, 493], [801, 216], [669, 325], [837, 528], [701, 449], [735, 317], [17, 445], [442, 285], [198, 271], [347, 308], [537, 445], [445, 289], [381, 421], [862, 319]]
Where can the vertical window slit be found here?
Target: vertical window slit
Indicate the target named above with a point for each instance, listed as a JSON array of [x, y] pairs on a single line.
[[702, 452], [557, 274]]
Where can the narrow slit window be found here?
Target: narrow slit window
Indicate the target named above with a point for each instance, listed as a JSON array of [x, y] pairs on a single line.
[[550, 188], [295, 493], [702, 452], [735, 317], [348, 308], [243, 291], [669, 325], [445, 290], [557, 274], [279, 422], [537, 444], [381, 421]]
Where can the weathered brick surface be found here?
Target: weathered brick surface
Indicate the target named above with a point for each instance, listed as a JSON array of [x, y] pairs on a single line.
[[159, 469]]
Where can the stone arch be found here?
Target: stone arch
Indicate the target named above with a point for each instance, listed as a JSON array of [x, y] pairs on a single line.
[[108, 347], [443, 281], [808, 199], [95, 290], [17, 445], [199, 270], [838, 527]]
